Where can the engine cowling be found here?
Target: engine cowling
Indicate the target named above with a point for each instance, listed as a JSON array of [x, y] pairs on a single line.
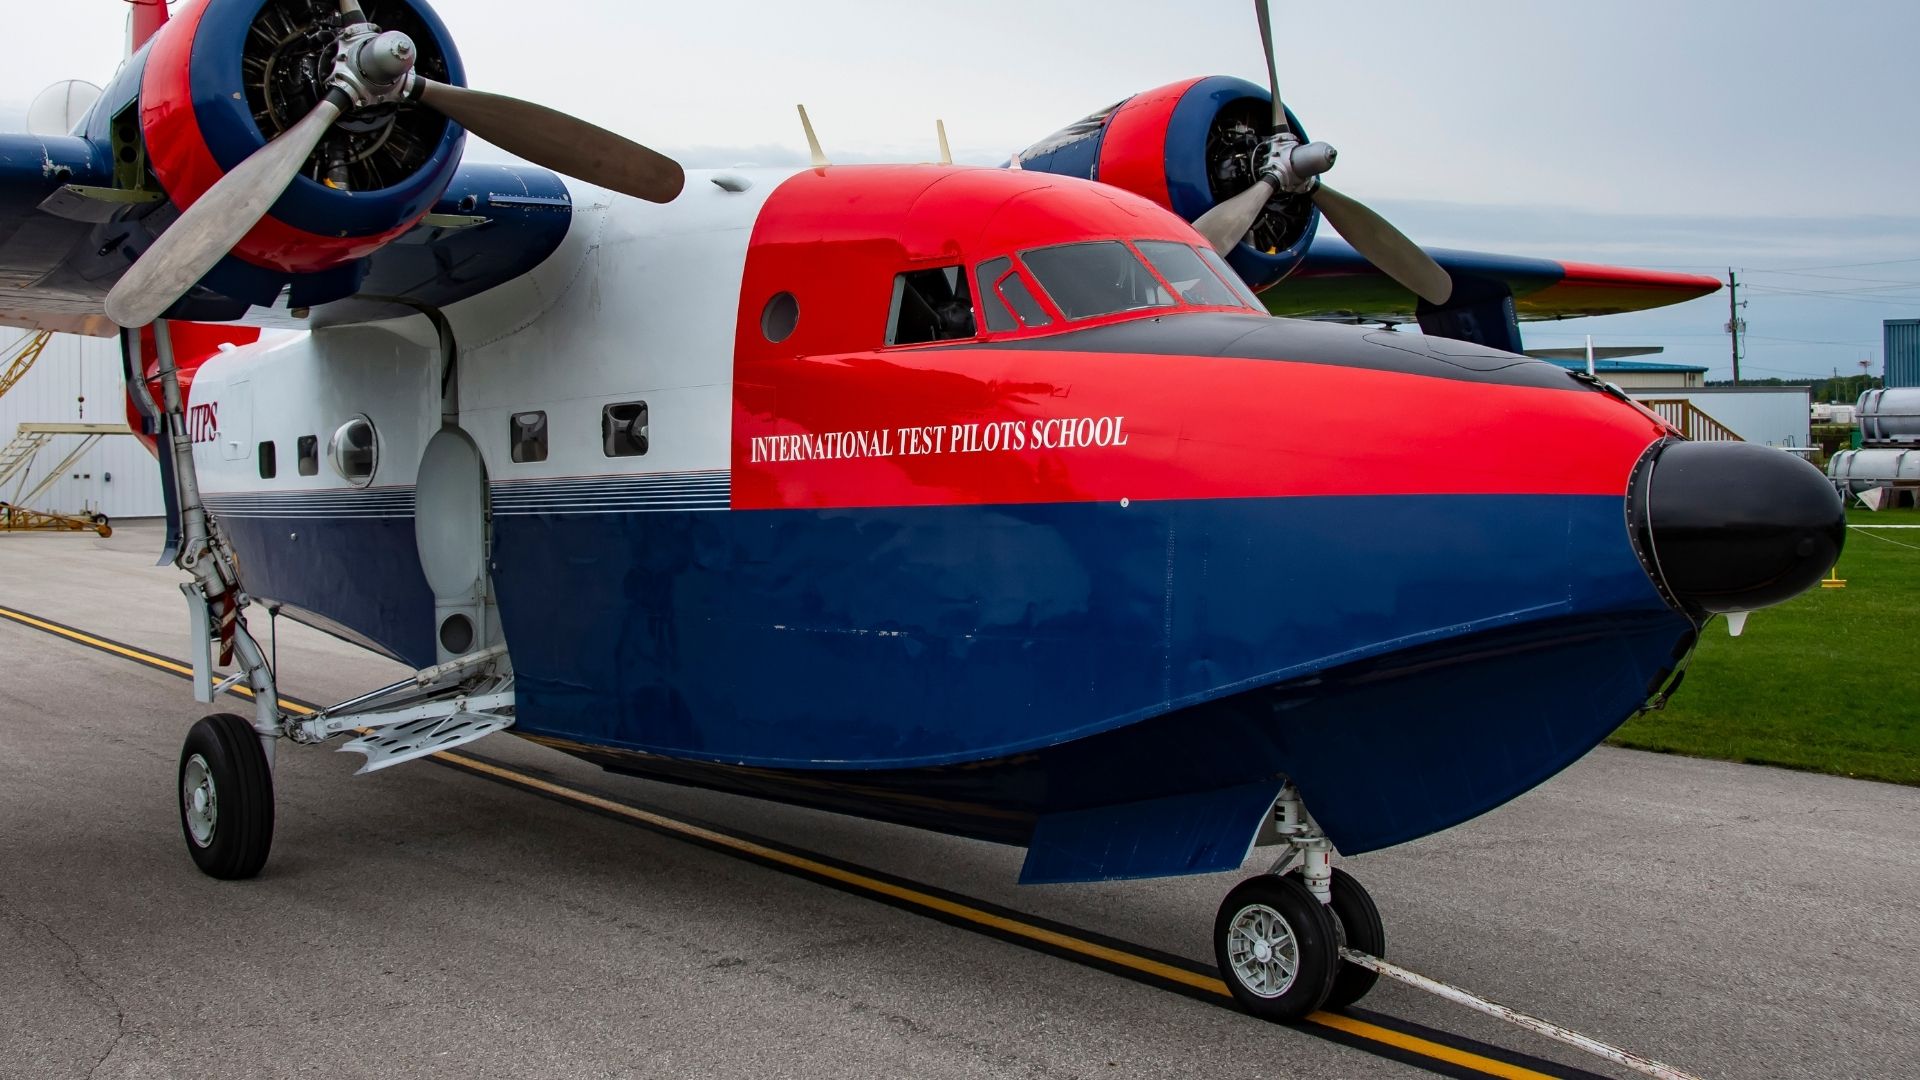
[[1188, 146], [224, 77]]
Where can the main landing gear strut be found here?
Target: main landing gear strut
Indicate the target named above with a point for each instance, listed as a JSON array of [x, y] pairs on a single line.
[[226, 765], [1278, 936]]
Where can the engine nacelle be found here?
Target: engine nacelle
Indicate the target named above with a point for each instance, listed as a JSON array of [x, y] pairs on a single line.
[[224, 77], [1188, 146]]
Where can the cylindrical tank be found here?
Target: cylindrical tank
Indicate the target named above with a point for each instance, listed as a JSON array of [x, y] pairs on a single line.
[[1890, 415], [1863, 469]]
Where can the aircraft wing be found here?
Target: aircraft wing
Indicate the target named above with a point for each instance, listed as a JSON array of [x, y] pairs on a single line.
[[66, 234], [1333, 282]]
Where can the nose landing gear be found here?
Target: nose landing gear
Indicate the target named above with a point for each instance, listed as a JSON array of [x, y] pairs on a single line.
[[1278, 936]]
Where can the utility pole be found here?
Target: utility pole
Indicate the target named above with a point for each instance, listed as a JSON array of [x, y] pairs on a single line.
[[1736, 326]]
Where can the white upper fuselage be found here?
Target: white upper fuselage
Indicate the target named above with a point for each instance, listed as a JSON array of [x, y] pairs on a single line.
[[638, 303]]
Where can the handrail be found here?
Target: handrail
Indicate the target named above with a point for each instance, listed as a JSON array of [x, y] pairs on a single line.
[[1691, 421]]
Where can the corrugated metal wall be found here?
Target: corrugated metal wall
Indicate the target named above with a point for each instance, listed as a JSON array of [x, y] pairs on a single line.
[[78, 378], [1901, 354]]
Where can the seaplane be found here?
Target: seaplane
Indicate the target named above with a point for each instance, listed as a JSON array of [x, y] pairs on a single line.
[[993, 501]]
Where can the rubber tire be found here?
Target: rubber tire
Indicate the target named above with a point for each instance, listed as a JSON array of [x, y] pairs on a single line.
[[1359, 924], [1313, 931], [243, 826]]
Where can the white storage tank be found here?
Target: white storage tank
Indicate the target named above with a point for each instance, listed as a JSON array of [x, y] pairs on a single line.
[[1860, 470], [1891, 415]]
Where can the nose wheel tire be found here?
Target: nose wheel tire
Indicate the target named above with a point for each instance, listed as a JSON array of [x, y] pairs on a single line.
[[1359, 924], [226, 797], [1277, 947]]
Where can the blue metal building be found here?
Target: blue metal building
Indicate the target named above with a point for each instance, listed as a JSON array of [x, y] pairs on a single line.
[[1901, 353]]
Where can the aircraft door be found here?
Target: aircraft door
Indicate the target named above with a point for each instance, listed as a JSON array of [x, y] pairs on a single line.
[[452, 529]]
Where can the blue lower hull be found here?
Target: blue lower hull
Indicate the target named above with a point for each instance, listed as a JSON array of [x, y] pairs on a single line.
[[1409, 661]]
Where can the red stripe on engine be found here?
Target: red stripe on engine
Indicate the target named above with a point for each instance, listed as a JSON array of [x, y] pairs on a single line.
[[1133, 153], [1179, 428]]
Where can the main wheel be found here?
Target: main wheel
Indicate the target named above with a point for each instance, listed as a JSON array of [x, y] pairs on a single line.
[[1277, 947], [226, 797], [1359, 924]]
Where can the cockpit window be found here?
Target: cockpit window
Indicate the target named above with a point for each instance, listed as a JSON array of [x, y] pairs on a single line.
[[1233, 279], [930, 305], [1004, 294], [1182, 268], [1014, 288], [991, 306], [1098, 278]]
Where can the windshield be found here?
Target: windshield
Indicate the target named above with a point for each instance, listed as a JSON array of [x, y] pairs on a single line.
[[1098, 278], [1182, 268]]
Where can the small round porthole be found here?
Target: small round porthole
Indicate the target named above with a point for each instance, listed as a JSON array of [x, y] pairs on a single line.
[[355, 451], [779, 317]]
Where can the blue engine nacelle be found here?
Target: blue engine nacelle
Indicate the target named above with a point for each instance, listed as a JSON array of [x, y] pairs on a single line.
[[1188, 146]]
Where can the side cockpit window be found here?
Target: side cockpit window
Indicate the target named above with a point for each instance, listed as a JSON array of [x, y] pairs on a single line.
[[1005, 299], [930, 305], [1192, 279]]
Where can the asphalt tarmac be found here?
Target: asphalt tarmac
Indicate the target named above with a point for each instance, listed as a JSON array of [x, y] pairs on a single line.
[[427, 921]]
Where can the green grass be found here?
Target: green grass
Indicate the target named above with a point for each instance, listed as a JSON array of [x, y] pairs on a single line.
[[1829, 681]]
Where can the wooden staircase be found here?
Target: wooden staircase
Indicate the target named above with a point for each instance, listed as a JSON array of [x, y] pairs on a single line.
[[1691, 420]]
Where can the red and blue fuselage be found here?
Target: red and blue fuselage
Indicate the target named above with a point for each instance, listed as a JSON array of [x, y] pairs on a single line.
[[1099, 584]]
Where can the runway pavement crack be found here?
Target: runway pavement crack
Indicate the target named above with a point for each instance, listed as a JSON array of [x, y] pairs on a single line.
[[79, 966]]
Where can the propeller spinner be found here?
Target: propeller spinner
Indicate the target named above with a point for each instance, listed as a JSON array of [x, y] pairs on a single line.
[[372, 67], [1293, 167]]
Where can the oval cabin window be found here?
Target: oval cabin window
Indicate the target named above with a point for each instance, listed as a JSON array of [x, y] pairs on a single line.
[[355, 450], [779, 317]]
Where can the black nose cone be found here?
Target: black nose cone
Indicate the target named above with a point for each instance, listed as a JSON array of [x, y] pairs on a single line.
[[1734, 526]]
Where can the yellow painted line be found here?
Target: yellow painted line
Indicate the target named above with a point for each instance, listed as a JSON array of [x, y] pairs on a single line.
[[98, 643], [130, 653], [861, 881], [1054, 939], [1426, 1047], [1208, 983]]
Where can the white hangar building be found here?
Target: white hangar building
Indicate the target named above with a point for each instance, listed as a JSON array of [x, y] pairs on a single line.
[[75, 379]]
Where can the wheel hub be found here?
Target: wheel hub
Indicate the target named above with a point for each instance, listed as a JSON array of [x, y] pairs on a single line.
[[1262, 951], [202, 801]]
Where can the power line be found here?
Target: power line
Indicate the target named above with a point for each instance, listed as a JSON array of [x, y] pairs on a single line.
[[1897, 301], [1838, 277], [1831, 266], [1870, 290], [1810, 341]]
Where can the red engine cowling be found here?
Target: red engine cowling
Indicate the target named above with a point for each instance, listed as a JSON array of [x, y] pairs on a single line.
[[1188, 146], [224, 77]]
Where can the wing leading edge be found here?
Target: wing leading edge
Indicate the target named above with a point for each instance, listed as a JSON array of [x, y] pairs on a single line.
[[1335, 283]]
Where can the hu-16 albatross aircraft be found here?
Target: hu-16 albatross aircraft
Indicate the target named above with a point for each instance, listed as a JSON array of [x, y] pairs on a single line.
[[985, 500]]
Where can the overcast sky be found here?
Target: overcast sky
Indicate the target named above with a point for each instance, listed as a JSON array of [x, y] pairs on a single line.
[[1693, 134]]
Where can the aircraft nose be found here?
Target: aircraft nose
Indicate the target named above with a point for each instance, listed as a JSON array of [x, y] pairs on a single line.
[[1734, 526]]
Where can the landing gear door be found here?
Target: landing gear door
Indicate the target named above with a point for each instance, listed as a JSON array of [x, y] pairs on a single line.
[[451, 529]]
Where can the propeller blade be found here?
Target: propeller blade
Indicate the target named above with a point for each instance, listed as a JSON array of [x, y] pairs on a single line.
[[559, 142], [1384, 246], [217, 221], [1226, 224], [1273, 69]]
